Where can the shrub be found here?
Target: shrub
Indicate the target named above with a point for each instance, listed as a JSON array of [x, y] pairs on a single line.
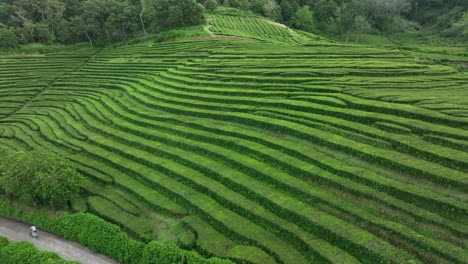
[[211, 5], [98, 235], [3, 242], [24, 252], [105, 238], [7, 37], [38, 176]]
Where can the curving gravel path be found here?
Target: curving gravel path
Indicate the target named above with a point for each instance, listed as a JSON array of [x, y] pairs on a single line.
[[16, 231]]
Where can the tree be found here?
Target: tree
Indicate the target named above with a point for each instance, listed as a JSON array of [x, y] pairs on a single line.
[[16, 173], [176, 13], [325, 11], [41, 17], [349, 12], [6, 12], [211, 5], [97, 21], [244, 4], [459, 28], [289, 8], [141, 14], [7, 37], [56, 179], [121, 19], [272, 10], [303, 19], [387, 14], [256, 6], [38, 176], [226, 3], [360, 25], [79, 26]]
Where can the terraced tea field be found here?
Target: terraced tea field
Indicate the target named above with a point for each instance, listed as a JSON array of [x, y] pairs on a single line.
[[265, 150]]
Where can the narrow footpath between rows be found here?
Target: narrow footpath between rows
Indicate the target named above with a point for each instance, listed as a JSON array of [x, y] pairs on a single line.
[[16, 231]]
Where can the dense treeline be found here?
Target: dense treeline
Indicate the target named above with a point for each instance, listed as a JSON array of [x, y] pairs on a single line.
[[96, 21], [100, 21]]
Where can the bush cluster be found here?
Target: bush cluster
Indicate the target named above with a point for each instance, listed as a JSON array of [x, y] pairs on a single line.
[[38, 177], [105, 238], [24, 252]]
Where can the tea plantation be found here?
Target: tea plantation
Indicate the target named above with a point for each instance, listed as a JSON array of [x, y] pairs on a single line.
[[258, 144]]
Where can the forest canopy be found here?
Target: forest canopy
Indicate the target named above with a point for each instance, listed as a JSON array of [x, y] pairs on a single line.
[[96, 21], [38, 176], [103, 21]]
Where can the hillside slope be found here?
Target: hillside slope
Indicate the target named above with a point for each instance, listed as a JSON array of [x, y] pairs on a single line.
[[270, 148]]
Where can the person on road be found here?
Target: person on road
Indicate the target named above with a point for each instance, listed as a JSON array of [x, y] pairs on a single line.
[[33, 231]]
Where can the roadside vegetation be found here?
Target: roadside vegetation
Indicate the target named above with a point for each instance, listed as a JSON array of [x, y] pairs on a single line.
[[92, 232], [24, 252]]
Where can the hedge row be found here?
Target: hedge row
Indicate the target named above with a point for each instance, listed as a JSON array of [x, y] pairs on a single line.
[[142, 174], [106, 238], [26, 253], [183, 194], [254, 120], [339, 143], [222, 196], [429, 152], [147, 195], [363, 216], [252, 28], [110, 135], [203, 138], [362, 113], [174, 92]]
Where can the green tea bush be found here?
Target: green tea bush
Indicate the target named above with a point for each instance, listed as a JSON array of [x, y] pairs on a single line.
[[168, 253], [98, 235], [3, 242], [26, 253], [105, 238]]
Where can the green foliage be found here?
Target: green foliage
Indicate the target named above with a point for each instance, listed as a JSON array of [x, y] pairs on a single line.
[[3, 242], [103, 21], [175, 13], [303, 19], [253, 27], [459, 28], [326, 11], [168, 253], [360, 25], [289, 8], [94, 21], [169, 35], [44, 178], [211, 5], [7, 37], [108, 210], [102, 237], [26, 253], [98, 235]]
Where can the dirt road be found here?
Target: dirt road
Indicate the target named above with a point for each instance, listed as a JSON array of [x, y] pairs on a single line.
[[16, 231]]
